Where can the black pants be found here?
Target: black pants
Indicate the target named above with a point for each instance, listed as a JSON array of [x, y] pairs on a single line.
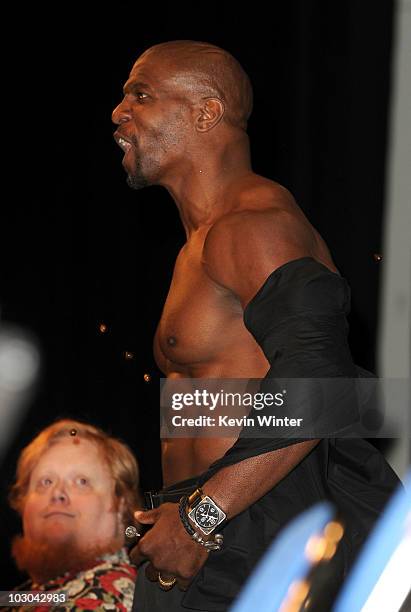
[[246, 538], [148, 596]]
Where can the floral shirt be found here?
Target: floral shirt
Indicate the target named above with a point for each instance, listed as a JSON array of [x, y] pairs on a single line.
[[109, 585]]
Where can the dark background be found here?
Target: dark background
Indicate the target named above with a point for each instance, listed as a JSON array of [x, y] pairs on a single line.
[[79, 248]]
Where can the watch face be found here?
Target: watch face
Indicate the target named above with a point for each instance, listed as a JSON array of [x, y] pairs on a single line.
[[206, 515]]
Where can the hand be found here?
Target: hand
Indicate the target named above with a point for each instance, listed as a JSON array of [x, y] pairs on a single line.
[[168, 546]]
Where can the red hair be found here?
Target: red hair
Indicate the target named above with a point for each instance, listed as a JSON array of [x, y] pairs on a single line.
[[118, 457]]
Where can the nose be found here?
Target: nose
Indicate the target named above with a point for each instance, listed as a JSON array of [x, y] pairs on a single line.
[[59, 494], [121, 113]]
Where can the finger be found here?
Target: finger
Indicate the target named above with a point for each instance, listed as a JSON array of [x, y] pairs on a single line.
[[151, 573], [183, 584], [147, 517], [136, 523], [136, 556], [165, 576]]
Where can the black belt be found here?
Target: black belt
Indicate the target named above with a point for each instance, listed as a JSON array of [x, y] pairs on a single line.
[[173, 494]]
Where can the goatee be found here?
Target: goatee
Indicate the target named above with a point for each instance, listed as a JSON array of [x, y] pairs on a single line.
[[137, 181], [45, 561]]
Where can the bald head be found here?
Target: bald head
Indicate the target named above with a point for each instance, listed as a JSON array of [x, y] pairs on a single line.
[[206, 71]]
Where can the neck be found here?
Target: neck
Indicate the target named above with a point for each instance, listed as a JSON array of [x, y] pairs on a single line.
[[203, 188]]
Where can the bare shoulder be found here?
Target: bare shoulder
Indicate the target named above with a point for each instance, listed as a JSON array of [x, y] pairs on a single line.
[[244, 246]]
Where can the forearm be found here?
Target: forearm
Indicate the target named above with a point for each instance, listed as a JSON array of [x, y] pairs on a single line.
[[238, 486], [307, 343]]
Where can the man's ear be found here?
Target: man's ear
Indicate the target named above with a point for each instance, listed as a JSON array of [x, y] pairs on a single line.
[[211, 111]]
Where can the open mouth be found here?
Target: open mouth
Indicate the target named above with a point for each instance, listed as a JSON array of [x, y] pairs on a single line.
[[122, 142], [126, 146]]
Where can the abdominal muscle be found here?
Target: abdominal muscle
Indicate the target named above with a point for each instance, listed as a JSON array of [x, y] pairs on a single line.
[[184, 458]]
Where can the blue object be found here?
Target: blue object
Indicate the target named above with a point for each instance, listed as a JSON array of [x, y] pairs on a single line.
[[387, 534], [283, 563]]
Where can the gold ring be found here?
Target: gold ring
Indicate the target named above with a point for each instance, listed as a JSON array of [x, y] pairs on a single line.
[[166, 585]]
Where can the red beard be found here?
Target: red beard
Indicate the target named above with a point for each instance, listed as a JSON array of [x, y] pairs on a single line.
[[45, 561]]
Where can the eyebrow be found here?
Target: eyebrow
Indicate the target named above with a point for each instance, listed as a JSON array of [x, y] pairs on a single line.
[[129, 87]]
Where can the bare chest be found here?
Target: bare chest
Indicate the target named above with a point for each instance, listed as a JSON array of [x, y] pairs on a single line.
[[198, 320]]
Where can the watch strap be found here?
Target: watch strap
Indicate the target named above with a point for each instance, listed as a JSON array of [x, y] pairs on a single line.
[[195, 498], [184, 516]]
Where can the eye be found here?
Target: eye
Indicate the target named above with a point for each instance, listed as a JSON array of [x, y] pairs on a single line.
[[141, 96], [44, 483], [82, 481]]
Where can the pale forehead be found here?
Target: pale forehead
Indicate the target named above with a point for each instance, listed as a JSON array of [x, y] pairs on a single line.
[[71, 453]]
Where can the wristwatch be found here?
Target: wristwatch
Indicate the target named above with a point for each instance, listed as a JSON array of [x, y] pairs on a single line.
[[204, 512]]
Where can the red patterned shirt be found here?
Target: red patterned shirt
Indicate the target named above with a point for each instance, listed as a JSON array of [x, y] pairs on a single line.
[[108, 585]]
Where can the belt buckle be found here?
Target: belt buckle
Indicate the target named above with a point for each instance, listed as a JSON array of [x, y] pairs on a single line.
[[148, 500]]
